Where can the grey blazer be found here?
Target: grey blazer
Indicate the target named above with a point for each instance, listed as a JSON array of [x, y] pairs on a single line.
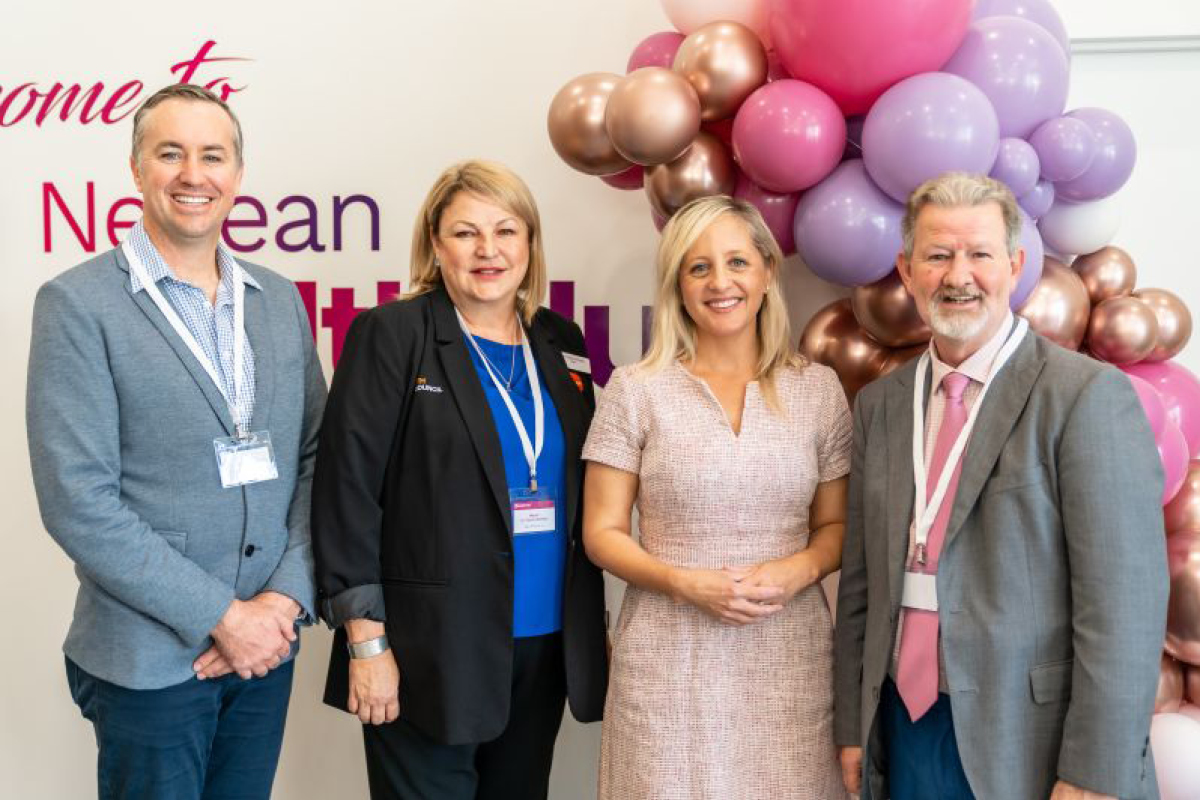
[[121, 420], [1052, 582]]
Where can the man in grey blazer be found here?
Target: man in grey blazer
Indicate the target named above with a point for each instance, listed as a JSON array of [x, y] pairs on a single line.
[[173, 403], [1000, 620]]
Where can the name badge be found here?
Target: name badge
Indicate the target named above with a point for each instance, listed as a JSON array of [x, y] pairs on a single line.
[[245, 460], [532, 511], [578, 363], [920, 591]]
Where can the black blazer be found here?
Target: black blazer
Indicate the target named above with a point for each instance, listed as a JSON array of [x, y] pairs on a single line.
[[410, 511]]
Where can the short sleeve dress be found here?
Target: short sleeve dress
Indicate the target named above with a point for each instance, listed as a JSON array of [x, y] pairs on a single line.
[[698, 709]]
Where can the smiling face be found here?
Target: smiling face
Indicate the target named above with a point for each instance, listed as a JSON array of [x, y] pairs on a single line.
[[723, 279], [483, 250], [188, 173], [961, 275]]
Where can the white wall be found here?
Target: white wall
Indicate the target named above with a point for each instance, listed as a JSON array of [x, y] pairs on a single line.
[[362, 97]]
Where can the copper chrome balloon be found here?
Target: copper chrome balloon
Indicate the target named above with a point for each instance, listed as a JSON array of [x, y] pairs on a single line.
[[1108, 272], [900, 356], [1169, 696], [887, 312], [1191, 685], [1058, 308], [705, 169], [576, 125], [724, 62], [1183, 512], [1174, 322], [652, 116], [1122, 330], [834, 338], [1183, 610]]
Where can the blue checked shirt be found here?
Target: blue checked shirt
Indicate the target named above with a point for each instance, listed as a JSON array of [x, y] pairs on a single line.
[[211, 324]]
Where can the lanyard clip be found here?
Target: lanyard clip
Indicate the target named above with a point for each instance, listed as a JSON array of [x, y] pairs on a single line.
[[919, 556], [533, 482]]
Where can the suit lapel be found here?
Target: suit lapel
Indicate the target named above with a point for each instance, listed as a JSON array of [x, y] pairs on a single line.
[[898, 419], [567, 400], [213, 395], [470, 399], [261, 342], [1002, 407]]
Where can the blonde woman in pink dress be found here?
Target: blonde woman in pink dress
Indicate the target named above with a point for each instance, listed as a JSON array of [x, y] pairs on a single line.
[[735, 452]]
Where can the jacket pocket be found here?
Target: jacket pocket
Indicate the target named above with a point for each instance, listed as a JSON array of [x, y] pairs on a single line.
[[177, 539], [1016, 479], [1051, 682]]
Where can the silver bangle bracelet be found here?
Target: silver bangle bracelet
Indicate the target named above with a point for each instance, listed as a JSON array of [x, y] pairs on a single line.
[[369, 648]]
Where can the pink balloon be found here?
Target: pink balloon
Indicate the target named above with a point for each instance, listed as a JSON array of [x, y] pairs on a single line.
[[628, 180], [656, 50], [1173, 452], [658, 219], [1180, 392], [776, 71], [788, 135], [778, 211], [856, 49], [1152, 403]]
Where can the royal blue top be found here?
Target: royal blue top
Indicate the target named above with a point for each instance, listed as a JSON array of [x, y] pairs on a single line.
[[540, 559]]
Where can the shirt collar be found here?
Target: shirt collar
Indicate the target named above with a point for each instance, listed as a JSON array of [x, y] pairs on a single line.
[[157, 267], [978, 365]]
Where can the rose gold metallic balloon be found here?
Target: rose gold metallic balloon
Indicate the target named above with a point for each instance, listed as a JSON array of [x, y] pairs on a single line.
[[724, 62], [1169, 696], [900, 356], [653, 115], [1122, 330], [576, 124], [833, 338], [1058, 307], [1183, 611], [1108, 272], [887, 312], [1174, 322], [1183, 512], [1191, 685], [705, 169]]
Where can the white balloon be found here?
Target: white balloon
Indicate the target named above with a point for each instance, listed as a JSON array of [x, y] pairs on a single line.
[[1175, 740], [1075, 228], [689, 15], [1190, 711]]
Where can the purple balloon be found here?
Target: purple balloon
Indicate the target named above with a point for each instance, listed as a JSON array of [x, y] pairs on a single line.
[[847, 230], [1016, 165], [1065, 146], [1037, 201], [1020, 68], [854, 130], [1035, 254], [656, 50], [927, 125], [778, 210], [1039, 12], [1116, 153]]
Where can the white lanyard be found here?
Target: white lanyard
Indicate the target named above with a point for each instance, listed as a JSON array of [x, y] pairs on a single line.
[[926, 513], [239, 329], [532, 451]]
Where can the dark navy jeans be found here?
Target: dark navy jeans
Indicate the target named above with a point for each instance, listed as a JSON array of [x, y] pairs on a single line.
[[216, 739], [922, 756]]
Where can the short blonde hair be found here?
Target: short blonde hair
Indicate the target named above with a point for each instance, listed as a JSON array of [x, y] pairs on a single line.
[[496, 184], [962, 190], [673, 333]]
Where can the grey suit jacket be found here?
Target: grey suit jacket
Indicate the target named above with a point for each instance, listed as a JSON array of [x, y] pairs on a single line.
[[1052, 583], [121, 420]]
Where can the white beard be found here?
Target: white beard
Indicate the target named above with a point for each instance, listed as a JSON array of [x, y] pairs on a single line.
[[957, 326]]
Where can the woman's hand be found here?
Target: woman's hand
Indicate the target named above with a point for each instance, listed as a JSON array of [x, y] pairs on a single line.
[[375, 688], [789, 575], [723, 594]]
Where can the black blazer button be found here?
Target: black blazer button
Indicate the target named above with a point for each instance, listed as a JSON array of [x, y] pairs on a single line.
[[249, 550]]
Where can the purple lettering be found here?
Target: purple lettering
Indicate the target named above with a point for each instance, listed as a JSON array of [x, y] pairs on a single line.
[[259, 221], [340, 205], [311, 242]]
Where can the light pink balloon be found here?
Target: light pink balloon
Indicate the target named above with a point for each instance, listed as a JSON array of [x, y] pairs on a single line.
[[689, 15], [628, 180], [1180, 392], [656, 50], [788, 135], [778, 211], [1175, 740], [1173, 452], [1152, 404]]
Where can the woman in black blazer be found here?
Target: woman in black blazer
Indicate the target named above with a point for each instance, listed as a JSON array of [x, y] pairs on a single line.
[[457, 639]]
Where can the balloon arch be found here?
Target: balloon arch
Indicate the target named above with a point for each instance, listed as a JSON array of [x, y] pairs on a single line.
[[825, 114]]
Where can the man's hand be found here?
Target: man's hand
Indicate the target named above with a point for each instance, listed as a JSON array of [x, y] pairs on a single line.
[[212, 664], [1067, 791], [851, 758], [253, 636]]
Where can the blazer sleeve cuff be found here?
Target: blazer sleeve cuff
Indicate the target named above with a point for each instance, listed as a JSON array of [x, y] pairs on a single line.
[[357, 602]]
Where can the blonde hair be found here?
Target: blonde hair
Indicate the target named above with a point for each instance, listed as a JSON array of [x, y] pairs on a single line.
[[962, 190], [496, 184], [673, 333]]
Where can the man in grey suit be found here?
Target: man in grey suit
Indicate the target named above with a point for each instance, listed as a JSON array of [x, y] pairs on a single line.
[[173, 403], [1000, 620]]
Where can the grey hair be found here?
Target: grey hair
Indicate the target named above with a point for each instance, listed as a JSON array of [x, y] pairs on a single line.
[[191, 93], [962, 190]]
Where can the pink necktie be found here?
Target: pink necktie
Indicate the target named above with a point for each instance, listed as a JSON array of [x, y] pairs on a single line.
[[917, 667]]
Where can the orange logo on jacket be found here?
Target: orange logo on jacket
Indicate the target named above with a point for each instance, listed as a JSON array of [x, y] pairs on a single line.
[[575, 376]]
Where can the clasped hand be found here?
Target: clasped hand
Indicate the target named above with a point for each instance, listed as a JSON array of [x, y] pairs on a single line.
[[252, 638], [742, 595]]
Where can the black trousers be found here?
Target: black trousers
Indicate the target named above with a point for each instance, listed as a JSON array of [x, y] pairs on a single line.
[[405, 764]]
